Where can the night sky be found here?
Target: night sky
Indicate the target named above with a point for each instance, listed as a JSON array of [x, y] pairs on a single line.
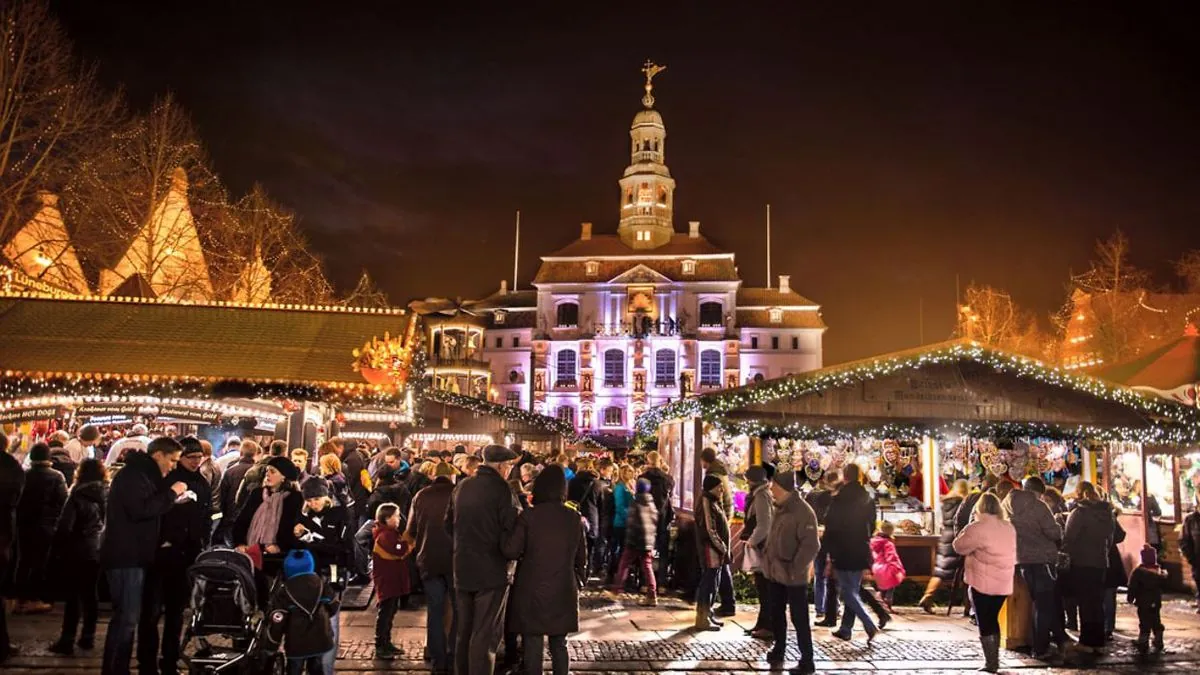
[[899, 144]]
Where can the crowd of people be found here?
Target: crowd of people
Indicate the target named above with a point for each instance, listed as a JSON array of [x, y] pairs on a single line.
[[500, 542]]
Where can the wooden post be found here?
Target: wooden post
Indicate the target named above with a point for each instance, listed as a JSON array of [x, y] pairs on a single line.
[[756, 455], [1016, 616]]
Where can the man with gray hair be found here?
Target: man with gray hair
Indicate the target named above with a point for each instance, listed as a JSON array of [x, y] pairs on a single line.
[[1038, 540], [482, 514]]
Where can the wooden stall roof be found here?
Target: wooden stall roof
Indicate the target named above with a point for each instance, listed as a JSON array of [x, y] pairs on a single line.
[[473, 415], [956, 383], [276, 343]]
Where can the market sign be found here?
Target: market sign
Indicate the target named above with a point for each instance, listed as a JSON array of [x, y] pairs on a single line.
[[49, 412], [921, 389], [164, 410]]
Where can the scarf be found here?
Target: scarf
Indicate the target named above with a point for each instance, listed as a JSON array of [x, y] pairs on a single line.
[[264, 526]]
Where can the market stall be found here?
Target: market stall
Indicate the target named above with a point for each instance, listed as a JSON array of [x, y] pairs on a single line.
[[921, 419]]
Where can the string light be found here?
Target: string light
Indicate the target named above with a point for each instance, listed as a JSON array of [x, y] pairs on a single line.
[[1169, 422], [482, 407]]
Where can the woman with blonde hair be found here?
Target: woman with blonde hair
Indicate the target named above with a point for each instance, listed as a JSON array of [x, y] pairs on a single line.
[[989, 549], [662, 486], [330, 468], [623, 493]]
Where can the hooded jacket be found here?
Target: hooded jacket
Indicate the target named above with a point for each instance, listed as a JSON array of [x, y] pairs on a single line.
[[137, 500], [1089, 533], [712, 530], [1038, 535], [641, 524], [81, 523], [299, 616], [792, 543], [886, 566]]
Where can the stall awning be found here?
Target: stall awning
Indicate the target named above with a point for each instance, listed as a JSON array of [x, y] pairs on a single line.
[[1171, 371]]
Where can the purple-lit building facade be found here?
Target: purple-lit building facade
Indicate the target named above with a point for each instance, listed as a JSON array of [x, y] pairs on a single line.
[[619, 323]]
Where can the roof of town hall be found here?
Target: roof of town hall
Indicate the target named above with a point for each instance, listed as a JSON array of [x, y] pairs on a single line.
[[568, 264]]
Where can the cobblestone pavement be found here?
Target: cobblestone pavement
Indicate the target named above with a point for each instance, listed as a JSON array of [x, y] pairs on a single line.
[[617, 636]]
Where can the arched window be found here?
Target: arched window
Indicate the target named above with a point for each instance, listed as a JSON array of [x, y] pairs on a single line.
[[710, 368], [664, 367], [614, 368], [566, 368], [568, 315], [710, 314]]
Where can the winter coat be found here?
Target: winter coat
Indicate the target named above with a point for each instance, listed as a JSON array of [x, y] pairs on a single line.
[[963, 516], [416, 482], [1089, 533], [393, 493], [712, 531], [137, 500], [886, 566], [1189, 538], [848, 528], [819, 499], [339, 491], [12, 485], [285, 536], [299, 614], [353, 463], [1114, 576], [947, 562], [212, 474], [718, 469], [41, 502], [604, 496], [1038, 535], [187, 526], [389, 569], [989, 548], [662, 486], [622, 498], [330, 536], [549, 540], [791, 543], [60, 461], [583, 490], [1146, 587], [482, 514], [641, 524], [231, 481], [426, 528], [761, 512], [81, 524]]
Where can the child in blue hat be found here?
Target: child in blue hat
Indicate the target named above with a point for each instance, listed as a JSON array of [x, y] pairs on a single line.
[[298, 618]]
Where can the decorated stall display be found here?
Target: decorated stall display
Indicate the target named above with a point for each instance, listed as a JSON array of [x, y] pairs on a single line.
[[1125, 481]]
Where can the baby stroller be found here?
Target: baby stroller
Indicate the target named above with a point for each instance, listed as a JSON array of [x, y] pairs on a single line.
[[224, 606]]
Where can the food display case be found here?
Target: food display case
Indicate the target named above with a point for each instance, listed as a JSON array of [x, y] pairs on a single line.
[[907, 521]]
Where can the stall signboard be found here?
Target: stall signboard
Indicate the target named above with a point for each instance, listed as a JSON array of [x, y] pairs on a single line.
[[920, 389], [161, 410], [48, 412]]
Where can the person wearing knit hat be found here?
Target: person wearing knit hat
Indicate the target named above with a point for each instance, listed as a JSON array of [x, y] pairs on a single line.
[[786, 480], [314, 488], [644, 486], [284, 466], [712, 533], [298, 562], [299, 615], [787, 559], [1146, 584]]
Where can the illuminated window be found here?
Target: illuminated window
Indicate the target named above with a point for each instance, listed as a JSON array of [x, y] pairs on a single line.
[[565, 413], [689, 267], [613, 416], [710, 368], [776, 315], [566, 368], [499, 316], [592, 268], [710, 314], [513, 399], [568, 315], [664, 367], [614, 368]]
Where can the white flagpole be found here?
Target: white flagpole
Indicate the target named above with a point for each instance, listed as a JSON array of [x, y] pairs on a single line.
[[516, 251], [768, 245]]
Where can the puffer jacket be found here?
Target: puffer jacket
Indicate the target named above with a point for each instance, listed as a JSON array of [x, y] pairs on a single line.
[[1089, 533], [886, 566], [989, 548], [1038, 535], [41, 502], [641, 524], [81, 523], [948, 561], [792, 543]]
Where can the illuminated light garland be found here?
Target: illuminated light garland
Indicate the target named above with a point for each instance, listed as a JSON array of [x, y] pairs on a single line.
[[482, 407], [1181, 424], [948, 431]]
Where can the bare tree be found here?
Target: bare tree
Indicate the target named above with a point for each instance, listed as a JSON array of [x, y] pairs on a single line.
[[1111, 270], [140, 204], [366, 294], [1188, 267], [51, 109], [272, 259], [990, 316]]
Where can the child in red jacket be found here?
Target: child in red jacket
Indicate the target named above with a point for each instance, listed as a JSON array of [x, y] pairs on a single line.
[[389, 571], [886, 566]]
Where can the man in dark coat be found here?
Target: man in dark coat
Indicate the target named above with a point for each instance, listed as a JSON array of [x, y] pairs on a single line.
[[582, 490], [184, 534], [137, 500], [662, 486], [37, 515], [481, 515], [231, 480], [12, 483], [715, 467], [849, 525], [550, 542], [434, 553], [353, 464]]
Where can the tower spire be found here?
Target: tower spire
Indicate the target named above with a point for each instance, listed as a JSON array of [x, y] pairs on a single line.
[[650, 70], [647, 189]]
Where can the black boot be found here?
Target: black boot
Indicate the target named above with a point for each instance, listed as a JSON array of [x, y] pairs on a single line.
[[991, 653]]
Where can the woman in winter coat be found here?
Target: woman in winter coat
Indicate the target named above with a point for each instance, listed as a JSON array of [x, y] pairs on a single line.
[[389, 571], [37, 517], [329, 467], [550, 542], [640, 531], [759, 511], [77, 543], [886, 567], [948, 562], [265, 528], [622, 497], [1087, 539], [323, 528], [712, 543], [1114, 577], [989, 549]]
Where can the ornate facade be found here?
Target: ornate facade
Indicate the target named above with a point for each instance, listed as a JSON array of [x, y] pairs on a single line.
[[621, 323]]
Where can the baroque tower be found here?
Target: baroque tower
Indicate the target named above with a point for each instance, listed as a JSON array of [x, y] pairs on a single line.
[[647, 189]]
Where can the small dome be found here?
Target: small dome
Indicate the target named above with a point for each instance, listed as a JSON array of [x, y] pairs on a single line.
[[648, 117]]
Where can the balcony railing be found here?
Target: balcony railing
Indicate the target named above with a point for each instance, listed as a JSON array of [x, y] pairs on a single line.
[[473, 363]]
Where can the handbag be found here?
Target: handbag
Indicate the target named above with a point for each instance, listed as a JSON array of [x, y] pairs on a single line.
[[751, 559]]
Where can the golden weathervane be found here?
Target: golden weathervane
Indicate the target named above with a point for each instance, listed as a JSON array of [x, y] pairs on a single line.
[[650, 69]]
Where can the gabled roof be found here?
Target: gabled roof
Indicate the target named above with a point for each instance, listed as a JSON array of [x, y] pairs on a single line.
[[213, 342], [792, 318], [640, 274], [42, 249], [771, 297]]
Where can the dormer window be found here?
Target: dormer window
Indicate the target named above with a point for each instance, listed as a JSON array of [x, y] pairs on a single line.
[[498, 316], [689, 267], [775, 314], [643, 235], [592, 268]]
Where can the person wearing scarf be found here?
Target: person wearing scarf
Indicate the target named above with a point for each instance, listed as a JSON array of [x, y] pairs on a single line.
[[265, 528]]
